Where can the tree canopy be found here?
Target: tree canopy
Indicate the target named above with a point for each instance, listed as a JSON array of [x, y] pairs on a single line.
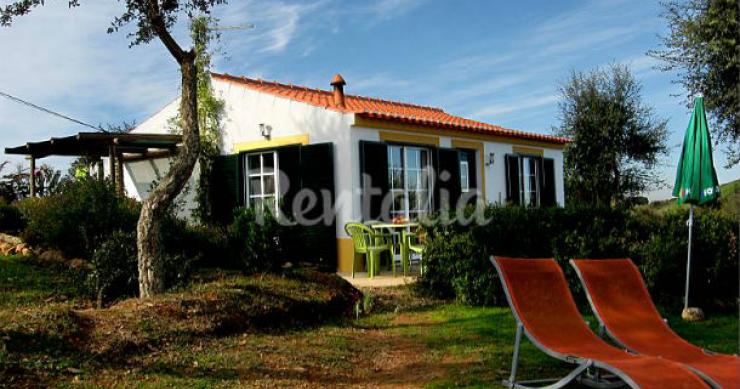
[[702, 47], [616, 138]]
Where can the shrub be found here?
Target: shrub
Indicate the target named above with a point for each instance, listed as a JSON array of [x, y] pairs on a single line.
[[11, 219], [114, 268], [78, 218], [458, 257], [184, 246], [714, 259], [256, 241]]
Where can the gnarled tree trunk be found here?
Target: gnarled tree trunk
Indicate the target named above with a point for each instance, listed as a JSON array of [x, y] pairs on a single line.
[[154, 208]]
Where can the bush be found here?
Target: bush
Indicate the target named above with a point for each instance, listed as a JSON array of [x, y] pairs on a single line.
[[714, 259], [78, 218], [11, 219], [114, 268], [458, 257], [184, 246], [256, 241]]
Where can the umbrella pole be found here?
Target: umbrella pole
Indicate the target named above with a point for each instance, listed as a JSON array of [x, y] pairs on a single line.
[[688, 260]]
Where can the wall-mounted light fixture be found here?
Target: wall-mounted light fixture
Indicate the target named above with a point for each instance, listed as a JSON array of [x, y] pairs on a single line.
[[265, 130], [491, 159]]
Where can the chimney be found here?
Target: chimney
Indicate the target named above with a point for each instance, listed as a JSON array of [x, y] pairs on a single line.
[[338, 83]]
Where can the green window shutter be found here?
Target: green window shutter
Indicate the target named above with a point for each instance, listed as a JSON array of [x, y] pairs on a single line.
[[317, 175], [289, 163], [512, 179], [373, 173], [448, 178], [226, 192], [547, 183]]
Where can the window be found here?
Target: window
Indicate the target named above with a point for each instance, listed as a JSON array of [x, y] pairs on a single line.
[[464, 172], [529, 184], [409, 172], [530, 180], [262, 180]]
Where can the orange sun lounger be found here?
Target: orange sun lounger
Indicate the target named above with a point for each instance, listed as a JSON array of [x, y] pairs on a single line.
[[546, 313], [623, 305]]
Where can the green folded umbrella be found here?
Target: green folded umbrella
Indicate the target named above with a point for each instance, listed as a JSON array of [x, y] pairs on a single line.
[[696, 179]]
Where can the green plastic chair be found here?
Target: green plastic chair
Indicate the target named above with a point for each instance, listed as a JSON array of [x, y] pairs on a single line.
[[411, 242], [369, 243]]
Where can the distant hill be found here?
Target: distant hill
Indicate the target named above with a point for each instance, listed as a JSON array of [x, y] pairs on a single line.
[[729, 200]]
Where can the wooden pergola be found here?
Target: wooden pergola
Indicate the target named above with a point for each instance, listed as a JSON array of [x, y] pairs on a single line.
[[117, 147]]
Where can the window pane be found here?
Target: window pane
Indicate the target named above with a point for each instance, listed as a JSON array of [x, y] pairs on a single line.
[[269, 182], [424, 200], [255, 186], [464, 181], [399, 202], [413, 201], [413, 158], [397, 179], [257, 203], [254, 164], [268, 163], [412, 177], [394, 156]]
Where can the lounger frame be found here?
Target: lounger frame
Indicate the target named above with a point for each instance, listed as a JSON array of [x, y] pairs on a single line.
[[604, 330], [580, 374]]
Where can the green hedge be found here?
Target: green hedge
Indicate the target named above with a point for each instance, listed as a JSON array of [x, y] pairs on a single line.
[[458, 256]]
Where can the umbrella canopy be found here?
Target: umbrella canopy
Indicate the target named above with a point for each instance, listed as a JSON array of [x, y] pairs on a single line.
[[696, 179]]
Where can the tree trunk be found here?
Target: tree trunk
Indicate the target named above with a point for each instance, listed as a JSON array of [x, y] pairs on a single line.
[[154, 208]]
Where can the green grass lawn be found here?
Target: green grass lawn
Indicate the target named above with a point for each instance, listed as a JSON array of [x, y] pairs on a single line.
[[405, 341]]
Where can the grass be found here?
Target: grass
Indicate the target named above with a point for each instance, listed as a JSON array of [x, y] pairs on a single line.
[[729, 201], [405, 341]]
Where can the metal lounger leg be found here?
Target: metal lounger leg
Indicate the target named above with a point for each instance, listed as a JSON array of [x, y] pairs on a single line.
[[554, 383], [515, 358]]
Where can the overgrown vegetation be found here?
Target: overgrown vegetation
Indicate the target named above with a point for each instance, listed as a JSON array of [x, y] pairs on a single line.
[[459, 266]]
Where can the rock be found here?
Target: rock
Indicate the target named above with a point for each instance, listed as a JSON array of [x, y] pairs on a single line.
[[10, 239], [78, 264], [26, 251], [51, 256], [692, 314], [5, 248]]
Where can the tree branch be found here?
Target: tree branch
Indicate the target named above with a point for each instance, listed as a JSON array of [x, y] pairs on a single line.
[[155, 19]]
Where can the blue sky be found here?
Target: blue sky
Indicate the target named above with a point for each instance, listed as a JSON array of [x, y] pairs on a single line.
[[500, 62]]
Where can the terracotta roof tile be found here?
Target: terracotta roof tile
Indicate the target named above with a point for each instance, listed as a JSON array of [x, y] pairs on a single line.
[[374, 108]]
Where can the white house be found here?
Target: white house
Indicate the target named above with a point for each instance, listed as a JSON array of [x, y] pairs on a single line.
[[279, 138]]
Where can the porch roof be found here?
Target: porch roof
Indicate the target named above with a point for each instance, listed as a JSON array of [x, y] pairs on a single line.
[[101, 144]]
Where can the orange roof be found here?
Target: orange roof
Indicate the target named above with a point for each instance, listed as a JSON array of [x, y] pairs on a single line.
[[392, 111]]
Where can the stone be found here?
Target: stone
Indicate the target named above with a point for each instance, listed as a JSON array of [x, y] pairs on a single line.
[[26, 251], [51, 256], [79, 264], [13, 240], [692, 314]]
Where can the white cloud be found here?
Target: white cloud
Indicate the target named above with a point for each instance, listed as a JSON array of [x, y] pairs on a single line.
[[517, 105], [390, 9]]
